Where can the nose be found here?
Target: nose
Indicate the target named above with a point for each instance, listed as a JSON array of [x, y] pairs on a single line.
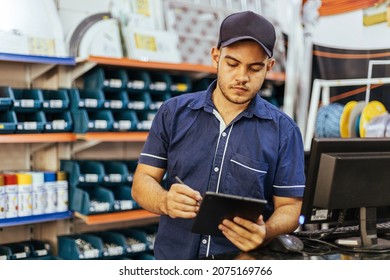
[[242, 75]]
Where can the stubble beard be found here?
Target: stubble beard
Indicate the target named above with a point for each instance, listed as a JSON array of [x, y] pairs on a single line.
[[238, 101]]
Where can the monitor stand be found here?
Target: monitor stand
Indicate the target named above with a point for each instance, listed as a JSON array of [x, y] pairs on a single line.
[[368, 233]]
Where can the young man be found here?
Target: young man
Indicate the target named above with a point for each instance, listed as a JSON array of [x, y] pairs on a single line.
[[225, 139]]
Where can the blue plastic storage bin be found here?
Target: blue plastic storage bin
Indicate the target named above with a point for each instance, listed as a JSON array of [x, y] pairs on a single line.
[[18, 251], [136, 241], [90, 99], [89, 200], [105, 78], [122, 198], [145, 119], [55, 100], [160, 82], [30, 122], [180, 84], [5, 252], [115, 171], [124, 120], [157, 99], [92, 121], [80, 247], [113, 244], [27, 100], [83, 171], [38, 249], [115, 100], [138, 80], [6, 98], [7, 122], [90, 171], [138, 100], [58, 122]]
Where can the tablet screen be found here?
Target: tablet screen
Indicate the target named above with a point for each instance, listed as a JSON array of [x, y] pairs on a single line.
[[216, 206]]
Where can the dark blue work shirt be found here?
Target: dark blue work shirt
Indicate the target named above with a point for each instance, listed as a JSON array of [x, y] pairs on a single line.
[[259, 154]]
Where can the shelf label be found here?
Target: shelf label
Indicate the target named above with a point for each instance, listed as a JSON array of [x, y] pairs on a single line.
[[115, 178], [42, 252], [59, 124], [160, 86], [181, 87], [91, 178], [116, 104], [113, 83], [124, 205], [124, 125], [136, 84], [27, 103], [56, 103], [20, 255], [30, 126], [136, 105], [144, 125], [97, 206], [156, 105], [91, 103], [101, 124]]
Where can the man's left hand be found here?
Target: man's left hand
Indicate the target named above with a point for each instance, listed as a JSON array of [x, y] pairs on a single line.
[[246, 235]]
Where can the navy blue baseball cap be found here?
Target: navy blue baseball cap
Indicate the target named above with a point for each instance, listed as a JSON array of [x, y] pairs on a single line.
[[247, 25]]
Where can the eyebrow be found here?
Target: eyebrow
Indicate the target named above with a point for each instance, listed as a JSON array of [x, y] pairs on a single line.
[[261, 63]]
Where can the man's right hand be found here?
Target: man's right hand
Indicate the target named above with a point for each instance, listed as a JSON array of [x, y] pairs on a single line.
[[182, 201]]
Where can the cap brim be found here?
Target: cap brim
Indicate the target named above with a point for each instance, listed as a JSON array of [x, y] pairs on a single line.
[[234, 40]]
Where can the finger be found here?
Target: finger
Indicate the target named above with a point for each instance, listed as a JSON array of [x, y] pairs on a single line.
[[184, 207], [249, 226], [260, 220], [243, 233], [241, 243], [181, 214], [181, 206], [179, 210], [182, 199], [187, 191]]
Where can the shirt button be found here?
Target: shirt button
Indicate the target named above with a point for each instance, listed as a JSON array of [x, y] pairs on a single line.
[[204, 241], [224, 134], [216, 169]]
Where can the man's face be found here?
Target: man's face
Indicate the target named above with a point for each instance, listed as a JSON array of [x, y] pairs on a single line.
[[242, 68]]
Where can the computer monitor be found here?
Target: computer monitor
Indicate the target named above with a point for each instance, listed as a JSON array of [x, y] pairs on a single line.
[[349, 177]]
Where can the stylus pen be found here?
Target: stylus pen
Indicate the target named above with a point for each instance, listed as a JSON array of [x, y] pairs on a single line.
[[179, 180]]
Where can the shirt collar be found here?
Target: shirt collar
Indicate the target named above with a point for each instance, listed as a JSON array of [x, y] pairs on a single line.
[[257, 106]]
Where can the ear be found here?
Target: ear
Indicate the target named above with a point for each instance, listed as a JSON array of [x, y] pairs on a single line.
[[215, 56], [270, 64]]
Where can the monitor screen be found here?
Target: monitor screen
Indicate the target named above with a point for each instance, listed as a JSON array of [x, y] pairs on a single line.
[[354, 146], [349, 178]]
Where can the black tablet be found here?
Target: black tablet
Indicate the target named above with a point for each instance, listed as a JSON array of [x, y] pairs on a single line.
[[217, 206]]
